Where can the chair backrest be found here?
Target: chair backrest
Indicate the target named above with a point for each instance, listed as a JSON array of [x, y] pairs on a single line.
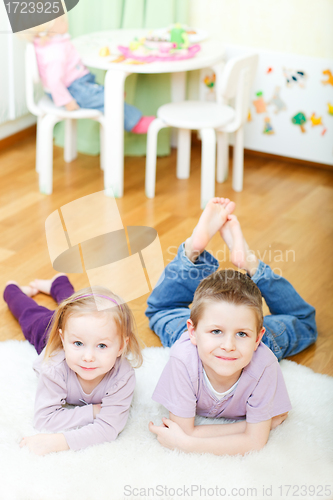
[[32, 78], [238, 76]]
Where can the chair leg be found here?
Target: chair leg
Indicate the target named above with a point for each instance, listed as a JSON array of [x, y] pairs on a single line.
[[38, 142], [101, 146], [45, 154], [238, 161], [70, 150], [153, 130], [208, 153], [184, 153], [178, 94], [222, 157]]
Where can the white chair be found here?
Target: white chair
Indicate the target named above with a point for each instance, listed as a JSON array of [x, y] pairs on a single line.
[[210, 118], [47, 116]]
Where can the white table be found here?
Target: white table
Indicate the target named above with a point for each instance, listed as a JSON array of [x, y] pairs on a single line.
[[88, 46]]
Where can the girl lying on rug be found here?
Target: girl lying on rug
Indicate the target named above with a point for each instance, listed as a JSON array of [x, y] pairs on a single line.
[[66, 79], [83, 364], [221, 363]]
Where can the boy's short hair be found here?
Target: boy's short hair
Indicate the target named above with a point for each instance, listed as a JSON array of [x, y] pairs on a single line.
[[229, 286]]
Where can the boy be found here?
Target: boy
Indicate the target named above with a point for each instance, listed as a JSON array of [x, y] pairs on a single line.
[[220, 365]]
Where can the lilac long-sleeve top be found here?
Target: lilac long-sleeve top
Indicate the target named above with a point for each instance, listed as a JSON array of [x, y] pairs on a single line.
[[58, 385]]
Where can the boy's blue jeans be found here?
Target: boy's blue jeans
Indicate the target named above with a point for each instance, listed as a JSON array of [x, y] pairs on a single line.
[[290, 328], [90, 95]]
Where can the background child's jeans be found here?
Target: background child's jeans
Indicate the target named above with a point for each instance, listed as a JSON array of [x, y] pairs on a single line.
[[90, 95], [290, 328]]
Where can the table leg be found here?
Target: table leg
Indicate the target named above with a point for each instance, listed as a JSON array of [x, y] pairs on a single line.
[[178, 94], [114, 132]]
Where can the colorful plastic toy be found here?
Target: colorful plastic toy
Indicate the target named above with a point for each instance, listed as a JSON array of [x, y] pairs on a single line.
[[104, 52], [299, 119], [166, 54]]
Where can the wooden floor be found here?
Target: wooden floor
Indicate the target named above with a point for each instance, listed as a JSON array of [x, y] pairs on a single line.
[[285, 210]]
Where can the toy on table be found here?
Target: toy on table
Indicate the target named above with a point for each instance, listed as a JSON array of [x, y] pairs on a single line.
[[119, 59], [169, 46], [164, 51], [104, 52], [179, 36], [194, 35]]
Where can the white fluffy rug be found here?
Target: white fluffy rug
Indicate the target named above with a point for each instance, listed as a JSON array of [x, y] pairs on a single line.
[[296, 462]]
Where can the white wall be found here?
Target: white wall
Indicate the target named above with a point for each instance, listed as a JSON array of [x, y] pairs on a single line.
[[302, 27], [14, 114], [287, 35]]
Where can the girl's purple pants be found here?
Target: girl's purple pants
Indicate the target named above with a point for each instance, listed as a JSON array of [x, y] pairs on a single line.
[[35, 320]]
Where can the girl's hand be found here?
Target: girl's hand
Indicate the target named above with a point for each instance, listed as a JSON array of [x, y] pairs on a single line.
[[169, 434], [97, 409], [72, 105], [42, 444]]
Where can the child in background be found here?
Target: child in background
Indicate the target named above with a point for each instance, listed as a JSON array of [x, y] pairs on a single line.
[[220, 365], [68, 82], [83, 364]]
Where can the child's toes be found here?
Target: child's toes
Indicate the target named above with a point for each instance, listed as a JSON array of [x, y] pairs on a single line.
[[12, 282], [230, 206]]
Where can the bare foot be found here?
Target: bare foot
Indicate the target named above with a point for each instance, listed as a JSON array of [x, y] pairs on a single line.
[[44, 286], [241, 256], [29, 290], [212, 218]]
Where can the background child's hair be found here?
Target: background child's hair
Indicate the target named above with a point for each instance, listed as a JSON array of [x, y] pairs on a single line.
[[229, 286], [84, 302], [29, 34]]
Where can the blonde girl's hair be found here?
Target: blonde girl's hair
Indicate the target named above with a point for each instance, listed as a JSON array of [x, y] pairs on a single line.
[[85, 302]]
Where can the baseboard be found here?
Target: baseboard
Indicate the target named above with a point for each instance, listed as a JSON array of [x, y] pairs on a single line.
[[27, 132], [268, 156], [285, 159], [18, 137]]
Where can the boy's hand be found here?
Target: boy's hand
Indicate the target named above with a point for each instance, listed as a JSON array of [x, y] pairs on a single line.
[[42, 444], [169, 435], [72, 105], [96, 409]]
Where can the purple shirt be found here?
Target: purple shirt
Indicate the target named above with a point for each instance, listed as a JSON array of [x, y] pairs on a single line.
[[261, 392], [58, 385]]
